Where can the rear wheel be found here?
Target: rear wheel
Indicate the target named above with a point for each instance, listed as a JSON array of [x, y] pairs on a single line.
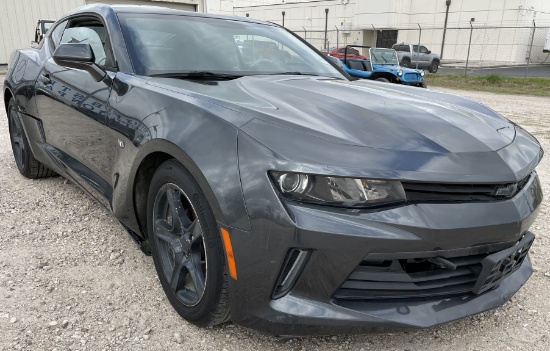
[[28, 166], [405, 63], [186, 246]]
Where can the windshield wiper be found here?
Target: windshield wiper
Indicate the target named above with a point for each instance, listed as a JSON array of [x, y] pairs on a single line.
[[198, 75], [297, 74]]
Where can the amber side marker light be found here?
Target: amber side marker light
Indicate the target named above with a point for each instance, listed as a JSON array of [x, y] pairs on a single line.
[[229, 253]]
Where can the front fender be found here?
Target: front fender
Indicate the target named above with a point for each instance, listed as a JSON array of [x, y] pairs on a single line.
[[21, 77], [151, 119]]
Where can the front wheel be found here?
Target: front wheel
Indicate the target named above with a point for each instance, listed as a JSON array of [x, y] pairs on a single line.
[[186, 246], [382, 80], [434, 67], [28, 166], [424, 85]]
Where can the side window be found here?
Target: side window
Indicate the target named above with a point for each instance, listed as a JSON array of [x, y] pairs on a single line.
[[415, 48], [93, 33], [403, 48], [423, 50], [341, 51], [56, 34]]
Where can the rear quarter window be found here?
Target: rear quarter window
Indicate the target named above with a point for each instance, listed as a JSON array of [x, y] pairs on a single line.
[[401, 48]]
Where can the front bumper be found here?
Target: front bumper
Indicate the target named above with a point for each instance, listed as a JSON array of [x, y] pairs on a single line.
[[412, 83], [295, 315], [339, 240]]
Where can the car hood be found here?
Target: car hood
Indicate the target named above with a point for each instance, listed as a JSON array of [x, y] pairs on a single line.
[[354, 113]]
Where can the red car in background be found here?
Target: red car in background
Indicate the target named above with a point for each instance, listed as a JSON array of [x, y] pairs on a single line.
[[340, 53]]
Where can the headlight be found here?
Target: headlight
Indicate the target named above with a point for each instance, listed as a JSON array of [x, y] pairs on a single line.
[[400, 73], [338, 191], [422, 73]]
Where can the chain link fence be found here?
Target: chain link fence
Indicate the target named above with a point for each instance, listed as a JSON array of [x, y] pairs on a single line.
[[467, 48]]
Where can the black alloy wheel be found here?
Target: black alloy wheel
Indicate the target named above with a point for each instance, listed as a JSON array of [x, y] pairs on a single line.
[[179, 241], [187, 247], [28, 166], [17, 142]]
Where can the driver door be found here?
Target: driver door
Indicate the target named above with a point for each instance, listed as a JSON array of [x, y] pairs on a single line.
[[73, 109]]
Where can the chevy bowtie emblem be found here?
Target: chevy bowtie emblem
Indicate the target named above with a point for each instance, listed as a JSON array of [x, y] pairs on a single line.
[[120, 143]]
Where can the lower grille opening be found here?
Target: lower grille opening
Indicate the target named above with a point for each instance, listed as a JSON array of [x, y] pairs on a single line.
[[293, 265], [411, 278], [419, 275]]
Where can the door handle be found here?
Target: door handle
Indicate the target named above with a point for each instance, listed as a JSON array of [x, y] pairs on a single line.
[[45, 79]]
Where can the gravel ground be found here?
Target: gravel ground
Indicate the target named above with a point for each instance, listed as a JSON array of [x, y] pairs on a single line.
[[71, 279]]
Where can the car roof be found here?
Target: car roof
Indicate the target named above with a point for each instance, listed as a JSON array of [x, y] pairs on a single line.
[[149, 9]]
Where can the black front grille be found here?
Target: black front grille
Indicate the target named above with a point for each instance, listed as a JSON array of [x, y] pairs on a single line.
[[409, 275], [410, 278], [440, 192]]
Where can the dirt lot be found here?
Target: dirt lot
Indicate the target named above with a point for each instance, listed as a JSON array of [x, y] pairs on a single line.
[[71, 279]]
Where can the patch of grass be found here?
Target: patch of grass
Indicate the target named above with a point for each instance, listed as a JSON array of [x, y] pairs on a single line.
[[494, 83], [494, 78]]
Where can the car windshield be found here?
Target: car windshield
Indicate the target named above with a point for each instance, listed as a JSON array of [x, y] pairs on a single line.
[[166, 44], [383, 57]]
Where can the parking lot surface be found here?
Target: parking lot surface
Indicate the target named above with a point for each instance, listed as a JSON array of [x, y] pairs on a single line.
[[71, 279]]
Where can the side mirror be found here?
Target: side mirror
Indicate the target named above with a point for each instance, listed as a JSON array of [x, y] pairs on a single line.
[[429, 52], [79, 56]]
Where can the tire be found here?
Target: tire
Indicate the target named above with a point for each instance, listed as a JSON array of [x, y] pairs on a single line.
[[382, 80], [434, 67], [28, 166], [405, 63], [424, 85], [188, 240]]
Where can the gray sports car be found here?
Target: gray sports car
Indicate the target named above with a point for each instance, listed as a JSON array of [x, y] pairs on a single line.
[[269, 188]]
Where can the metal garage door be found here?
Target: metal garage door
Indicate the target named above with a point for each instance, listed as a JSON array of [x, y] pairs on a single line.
[[172, 5]]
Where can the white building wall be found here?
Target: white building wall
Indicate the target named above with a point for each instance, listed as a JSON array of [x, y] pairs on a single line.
[[18, 18], [18, 21], [361, 15]]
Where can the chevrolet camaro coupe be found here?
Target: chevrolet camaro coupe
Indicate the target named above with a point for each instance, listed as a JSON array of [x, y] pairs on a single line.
[[277, 192]]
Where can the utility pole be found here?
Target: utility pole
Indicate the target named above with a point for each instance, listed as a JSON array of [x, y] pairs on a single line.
[[469, 45], [326, 27], [448, 3]]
